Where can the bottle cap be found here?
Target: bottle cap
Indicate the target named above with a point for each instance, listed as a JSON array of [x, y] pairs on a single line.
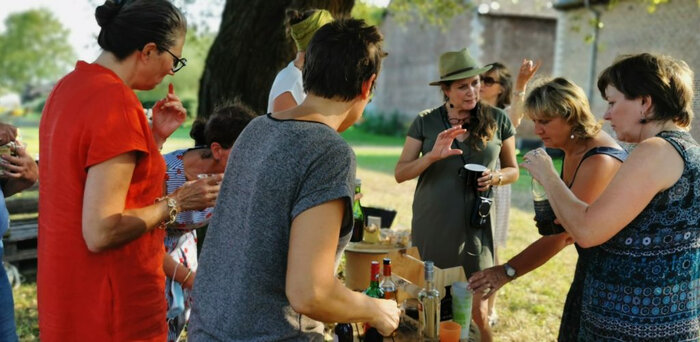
[[387, 261], [358, 181], [429, 270], [375, 267]]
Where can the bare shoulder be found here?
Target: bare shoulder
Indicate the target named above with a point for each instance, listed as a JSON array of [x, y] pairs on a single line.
[[659, 159]]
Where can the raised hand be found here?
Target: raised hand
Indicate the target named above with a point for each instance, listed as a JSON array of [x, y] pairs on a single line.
[[443, 144], [528, 68], [168, 115], [539, 164]]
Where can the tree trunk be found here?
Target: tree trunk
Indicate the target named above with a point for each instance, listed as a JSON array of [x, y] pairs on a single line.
[[252, 46]]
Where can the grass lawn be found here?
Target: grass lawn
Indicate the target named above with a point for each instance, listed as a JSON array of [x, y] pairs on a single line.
[[529, 308]]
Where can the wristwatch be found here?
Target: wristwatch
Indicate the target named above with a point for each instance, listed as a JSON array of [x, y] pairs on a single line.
[[510, 271]]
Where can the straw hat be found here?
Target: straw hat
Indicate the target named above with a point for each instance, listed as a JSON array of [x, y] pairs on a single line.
[[457, 65]]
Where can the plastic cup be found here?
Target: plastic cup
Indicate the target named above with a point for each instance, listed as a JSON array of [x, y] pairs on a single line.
[[462, 306], [450, 331]]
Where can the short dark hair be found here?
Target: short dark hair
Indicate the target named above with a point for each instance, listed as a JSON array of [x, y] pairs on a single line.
[[506, 82], [668, 81], [128, 25], [341, 55], [223, 126]]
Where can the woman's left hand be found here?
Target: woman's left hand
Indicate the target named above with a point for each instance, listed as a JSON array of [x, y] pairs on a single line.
[[488, 281], [168, 115], [485, 181], [539, 164]]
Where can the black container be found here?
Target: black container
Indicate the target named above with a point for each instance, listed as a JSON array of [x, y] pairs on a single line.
[[343, 332], [544, 219]]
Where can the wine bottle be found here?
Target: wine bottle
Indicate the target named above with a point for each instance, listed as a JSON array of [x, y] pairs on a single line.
[[374, 291], [343, 333], [358, 227], [446, 305], [387, 285], [429, 298]]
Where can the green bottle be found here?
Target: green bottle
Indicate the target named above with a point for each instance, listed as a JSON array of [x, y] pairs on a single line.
[[358, 227], [374, 291]]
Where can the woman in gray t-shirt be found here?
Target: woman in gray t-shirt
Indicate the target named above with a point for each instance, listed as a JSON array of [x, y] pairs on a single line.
[[267, 266]]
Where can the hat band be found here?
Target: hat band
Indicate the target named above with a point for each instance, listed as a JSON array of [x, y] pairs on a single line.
[[456, 72]]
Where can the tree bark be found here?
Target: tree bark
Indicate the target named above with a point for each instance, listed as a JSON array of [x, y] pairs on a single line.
[[252, 46]]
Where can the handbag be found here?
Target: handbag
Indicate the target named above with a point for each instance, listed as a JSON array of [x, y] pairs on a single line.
[[481, 210]]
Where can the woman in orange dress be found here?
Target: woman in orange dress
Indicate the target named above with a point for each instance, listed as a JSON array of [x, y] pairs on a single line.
[[100, 252]]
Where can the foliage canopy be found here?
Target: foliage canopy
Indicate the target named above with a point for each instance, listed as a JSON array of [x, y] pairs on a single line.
[[34, 49]]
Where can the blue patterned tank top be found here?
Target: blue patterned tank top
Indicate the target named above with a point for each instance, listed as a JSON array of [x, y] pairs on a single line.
[[644, 283]]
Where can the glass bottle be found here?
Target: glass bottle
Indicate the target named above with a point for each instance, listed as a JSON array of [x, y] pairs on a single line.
[[374, 291], [429, 298], [446, 305], [343, 333], [387, 285], [358, 227], [544, 214]]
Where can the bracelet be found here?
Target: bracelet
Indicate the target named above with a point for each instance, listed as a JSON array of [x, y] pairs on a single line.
[[189, 273], [519, 93], [500, 178], [172, 210]]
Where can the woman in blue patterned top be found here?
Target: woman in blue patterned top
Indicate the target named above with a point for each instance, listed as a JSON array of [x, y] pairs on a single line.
[[214, 138], [643, 282]]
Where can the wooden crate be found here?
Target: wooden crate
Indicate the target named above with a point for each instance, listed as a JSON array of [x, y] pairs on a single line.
[[20, 240]]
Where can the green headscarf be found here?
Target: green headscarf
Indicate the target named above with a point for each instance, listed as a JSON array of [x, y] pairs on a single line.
[[305, 29]]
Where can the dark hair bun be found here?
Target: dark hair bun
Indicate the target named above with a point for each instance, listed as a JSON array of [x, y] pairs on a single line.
[[106, 12], [197, 131]]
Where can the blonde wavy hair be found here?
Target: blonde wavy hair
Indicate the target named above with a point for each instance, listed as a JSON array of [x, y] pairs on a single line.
[[561, 98]]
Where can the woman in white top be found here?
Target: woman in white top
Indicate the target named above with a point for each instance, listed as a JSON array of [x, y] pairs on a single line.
[[287, 90]]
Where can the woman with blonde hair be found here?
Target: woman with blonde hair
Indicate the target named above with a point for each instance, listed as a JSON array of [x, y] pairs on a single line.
[[563, 120], [642, 281]]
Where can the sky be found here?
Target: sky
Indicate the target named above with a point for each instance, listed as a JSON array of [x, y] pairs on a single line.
[[79, 17]]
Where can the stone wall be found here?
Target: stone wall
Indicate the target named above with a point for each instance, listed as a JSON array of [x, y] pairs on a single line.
[[414, 49], [628, 28]]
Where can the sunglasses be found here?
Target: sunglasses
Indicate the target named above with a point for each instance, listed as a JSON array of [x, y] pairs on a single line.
[[178, 63], [489, 81]]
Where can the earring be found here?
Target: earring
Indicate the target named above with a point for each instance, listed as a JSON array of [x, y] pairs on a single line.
[[572, 136]]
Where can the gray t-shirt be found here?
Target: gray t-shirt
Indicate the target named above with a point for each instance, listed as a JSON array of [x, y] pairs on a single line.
[[277, 170]]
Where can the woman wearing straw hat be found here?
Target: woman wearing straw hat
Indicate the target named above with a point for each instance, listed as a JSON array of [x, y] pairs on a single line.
[[439, 143], [287, 90]]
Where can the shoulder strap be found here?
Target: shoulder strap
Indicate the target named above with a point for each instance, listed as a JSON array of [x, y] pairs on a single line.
[[674, 141], [618, 154]]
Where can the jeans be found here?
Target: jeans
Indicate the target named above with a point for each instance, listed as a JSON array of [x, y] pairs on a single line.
[[8, 330]]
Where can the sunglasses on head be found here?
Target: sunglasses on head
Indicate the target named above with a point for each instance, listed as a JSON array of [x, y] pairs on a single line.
[[488, 81]]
